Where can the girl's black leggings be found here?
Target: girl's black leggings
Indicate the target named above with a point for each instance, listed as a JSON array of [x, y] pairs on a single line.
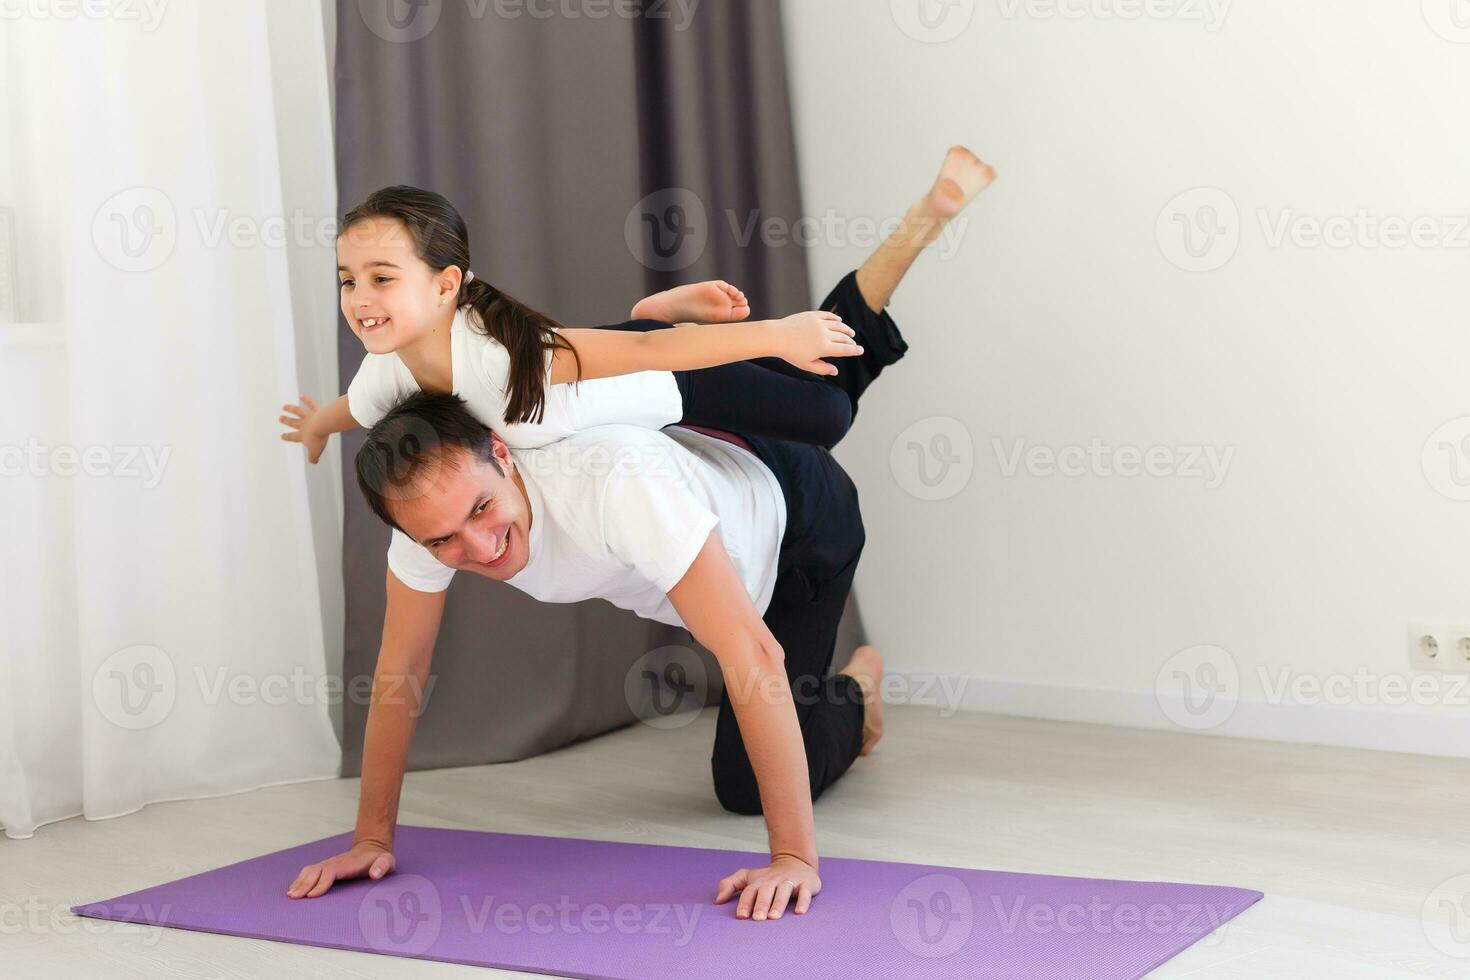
[[770, 398]]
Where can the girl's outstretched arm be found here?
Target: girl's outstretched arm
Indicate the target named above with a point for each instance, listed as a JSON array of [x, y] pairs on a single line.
[[312, 425], [802, 339]]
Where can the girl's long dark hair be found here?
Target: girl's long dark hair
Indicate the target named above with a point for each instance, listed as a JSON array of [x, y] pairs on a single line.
[[441, 239]]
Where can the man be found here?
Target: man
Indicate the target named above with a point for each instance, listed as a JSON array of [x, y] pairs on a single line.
[[750, 544]]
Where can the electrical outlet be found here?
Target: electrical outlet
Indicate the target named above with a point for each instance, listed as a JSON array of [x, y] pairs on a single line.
[[1438, 646]]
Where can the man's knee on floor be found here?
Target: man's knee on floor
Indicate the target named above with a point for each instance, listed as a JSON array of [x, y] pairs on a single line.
[[738, 793]]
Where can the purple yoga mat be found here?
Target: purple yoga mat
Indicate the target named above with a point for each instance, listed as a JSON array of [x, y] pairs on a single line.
[[598, 909]]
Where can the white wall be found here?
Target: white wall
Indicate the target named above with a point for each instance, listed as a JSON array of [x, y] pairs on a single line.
[[1061, 319]]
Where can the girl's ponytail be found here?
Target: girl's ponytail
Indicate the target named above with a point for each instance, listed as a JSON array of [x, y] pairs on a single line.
[[441, 239], [526, 335]]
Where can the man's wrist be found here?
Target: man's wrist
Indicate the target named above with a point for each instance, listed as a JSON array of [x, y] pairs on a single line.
[[810, 861], [384, 841]]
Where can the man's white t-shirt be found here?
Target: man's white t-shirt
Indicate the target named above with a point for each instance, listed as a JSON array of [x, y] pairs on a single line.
[[620, 512], [481, 369]]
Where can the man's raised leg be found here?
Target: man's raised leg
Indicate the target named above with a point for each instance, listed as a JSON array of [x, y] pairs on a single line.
[[961, 177], [861, 296]]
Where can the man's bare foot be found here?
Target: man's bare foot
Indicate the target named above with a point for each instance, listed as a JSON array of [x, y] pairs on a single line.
[[962, 176], [714, 301], [866, 667]]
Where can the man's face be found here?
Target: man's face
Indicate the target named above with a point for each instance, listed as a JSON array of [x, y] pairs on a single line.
[[470, 517]]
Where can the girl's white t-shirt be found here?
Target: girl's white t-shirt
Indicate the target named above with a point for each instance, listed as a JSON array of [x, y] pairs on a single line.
[[481, 369]]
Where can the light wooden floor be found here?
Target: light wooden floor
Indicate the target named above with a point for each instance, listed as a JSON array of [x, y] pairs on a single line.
[[1346, 844]]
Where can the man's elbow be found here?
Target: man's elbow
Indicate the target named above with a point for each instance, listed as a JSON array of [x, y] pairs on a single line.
[[751, 661]]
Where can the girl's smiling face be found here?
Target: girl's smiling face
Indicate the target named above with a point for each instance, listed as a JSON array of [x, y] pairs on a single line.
[[391, 297]]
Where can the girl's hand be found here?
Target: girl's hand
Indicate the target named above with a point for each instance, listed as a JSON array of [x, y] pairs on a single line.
[[300, 420], [803, 339], [764, 892]]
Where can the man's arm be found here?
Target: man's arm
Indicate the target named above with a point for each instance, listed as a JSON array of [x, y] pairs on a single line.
[[410, 628], [713, 603]]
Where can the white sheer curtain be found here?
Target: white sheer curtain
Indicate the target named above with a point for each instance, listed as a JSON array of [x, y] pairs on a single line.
[[163, 594]]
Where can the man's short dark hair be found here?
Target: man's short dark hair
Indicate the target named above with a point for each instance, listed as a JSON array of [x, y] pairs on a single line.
[[416, 437]]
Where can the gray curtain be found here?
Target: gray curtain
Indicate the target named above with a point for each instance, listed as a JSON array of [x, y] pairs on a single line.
[[568, 143]]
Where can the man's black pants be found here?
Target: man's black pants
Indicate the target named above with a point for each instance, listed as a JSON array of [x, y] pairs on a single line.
[[818, 557]]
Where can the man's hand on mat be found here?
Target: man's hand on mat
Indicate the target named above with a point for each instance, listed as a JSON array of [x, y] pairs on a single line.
[[364, 859], [804, 339], [764, 892], [300, 420]]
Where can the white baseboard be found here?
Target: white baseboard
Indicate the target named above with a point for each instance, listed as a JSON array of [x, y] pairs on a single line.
[[1384, 729]]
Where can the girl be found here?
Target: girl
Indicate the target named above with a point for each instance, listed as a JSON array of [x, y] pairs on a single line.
[[429, 324]]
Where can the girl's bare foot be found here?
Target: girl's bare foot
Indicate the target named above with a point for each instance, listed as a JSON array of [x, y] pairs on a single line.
[[715, 301], [866, 667]]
